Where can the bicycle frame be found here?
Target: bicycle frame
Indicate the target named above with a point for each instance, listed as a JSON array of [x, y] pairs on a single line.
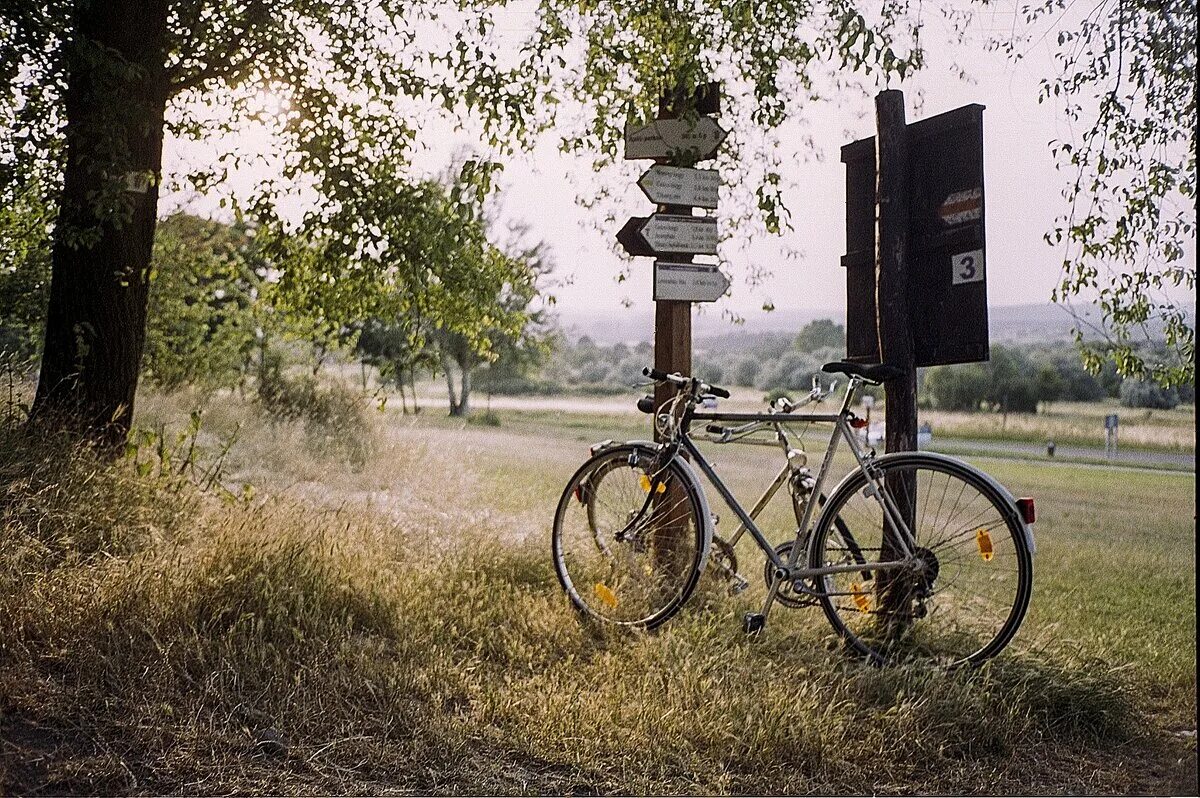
[[787, 570]]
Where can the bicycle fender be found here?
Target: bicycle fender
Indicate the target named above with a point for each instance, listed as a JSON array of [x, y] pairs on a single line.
[[705, 510], [651, 448], [1027, 529]]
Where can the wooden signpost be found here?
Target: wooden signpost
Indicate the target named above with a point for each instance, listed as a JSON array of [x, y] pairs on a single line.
[[681, 136], [915, 265]]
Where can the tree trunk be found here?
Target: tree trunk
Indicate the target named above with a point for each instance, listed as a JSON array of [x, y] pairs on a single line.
[[454, 405], [464, 390], [115, 104], [412, 385]]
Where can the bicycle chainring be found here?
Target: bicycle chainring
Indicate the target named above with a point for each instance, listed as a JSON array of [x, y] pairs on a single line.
[[787, 595]]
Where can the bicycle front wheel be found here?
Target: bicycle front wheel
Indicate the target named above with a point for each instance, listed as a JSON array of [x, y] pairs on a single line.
[[630, 537], [963, 595]]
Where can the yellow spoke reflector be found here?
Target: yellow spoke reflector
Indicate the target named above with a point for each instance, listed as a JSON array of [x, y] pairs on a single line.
[[984, 541], [861, 599], [606, 595], [644, 481]]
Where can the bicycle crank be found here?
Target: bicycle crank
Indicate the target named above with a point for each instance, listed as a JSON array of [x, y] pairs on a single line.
[[788, 594]]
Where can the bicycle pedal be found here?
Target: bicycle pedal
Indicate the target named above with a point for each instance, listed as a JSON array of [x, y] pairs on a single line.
[[737, 584], [753, 622]]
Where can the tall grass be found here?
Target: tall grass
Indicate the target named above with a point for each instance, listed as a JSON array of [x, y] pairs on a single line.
[[154, 638]]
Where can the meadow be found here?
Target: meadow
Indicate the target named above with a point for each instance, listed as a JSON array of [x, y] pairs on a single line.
[[373, 610]]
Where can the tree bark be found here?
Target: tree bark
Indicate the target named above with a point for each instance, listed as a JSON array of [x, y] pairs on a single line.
[[454, 406], [115, 104], [464, 389]]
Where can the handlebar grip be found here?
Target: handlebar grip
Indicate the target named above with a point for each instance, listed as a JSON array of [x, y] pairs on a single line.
[[654, 374], [646, 404], [720, 392]]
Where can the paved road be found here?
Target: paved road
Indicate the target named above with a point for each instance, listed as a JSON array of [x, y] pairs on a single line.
[[1067, 452]]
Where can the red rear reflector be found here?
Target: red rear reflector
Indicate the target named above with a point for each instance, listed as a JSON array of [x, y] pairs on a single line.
[[1028, 511], [859, 423]]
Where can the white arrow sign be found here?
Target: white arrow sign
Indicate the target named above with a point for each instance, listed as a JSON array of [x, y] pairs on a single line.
[[677, 185], [698, 138], [688, 282], [666, 232]]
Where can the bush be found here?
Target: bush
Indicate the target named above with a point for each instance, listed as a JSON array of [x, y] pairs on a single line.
[[1139, 393], [746, 371], [334, 418], [1008, 382]]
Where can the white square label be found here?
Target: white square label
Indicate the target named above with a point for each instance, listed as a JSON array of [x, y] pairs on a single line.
[[967, 267]]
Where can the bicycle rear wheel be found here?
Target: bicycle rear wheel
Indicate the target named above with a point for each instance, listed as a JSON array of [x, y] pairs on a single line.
[[964, 597], [630, 538]]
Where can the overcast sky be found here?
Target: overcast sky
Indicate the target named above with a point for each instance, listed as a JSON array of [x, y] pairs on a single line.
[[1023, 191]]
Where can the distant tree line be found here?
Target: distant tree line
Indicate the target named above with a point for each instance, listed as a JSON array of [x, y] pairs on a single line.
[[1013, 379]]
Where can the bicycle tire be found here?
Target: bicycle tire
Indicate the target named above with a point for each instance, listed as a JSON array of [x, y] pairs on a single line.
[[641, 563], [976, 575]]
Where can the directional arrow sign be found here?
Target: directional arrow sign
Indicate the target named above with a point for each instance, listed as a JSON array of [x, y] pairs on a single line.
[[665, 232], [688, 282], [676, 185], [695, 138]]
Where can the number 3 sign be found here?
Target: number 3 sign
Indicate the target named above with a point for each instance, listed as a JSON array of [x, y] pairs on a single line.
[[967, 267]]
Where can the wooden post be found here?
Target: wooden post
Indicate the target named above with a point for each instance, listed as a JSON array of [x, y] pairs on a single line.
[[673, 349], [672, 319], [891, 303]]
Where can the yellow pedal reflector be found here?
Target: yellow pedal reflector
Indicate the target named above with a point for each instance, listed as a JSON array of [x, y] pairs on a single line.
[[861, 599], [644, 481], [984, 541], [606, 595]]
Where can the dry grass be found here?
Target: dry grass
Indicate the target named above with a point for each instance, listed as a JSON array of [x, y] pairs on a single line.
[[398, 629], [1075, 422]]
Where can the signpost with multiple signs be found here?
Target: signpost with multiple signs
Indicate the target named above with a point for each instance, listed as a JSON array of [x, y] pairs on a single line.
[[682, 136]]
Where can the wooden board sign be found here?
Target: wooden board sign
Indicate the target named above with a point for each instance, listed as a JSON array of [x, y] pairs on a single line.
[[947, 275], [683, 139], [688, 282], [665, 232], [678, 185]]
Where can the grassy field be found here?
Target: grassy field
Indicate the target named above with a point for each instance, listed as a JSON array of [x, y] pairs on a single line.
[[1076, 422], [1080, 423], [379, 615]]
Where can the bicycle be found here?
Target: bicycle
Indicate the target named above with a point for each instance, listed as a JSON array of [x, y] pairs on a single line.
[[939, 564], [794, 474]]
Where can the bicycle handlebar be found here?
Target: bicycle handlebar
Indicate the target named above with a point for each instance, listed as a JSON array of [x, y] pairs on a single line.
[[683, 382]]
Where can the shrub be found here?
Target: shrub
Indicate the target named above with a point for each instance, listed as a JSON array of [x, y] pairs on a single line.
[[1139, 393], [334, 418]]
